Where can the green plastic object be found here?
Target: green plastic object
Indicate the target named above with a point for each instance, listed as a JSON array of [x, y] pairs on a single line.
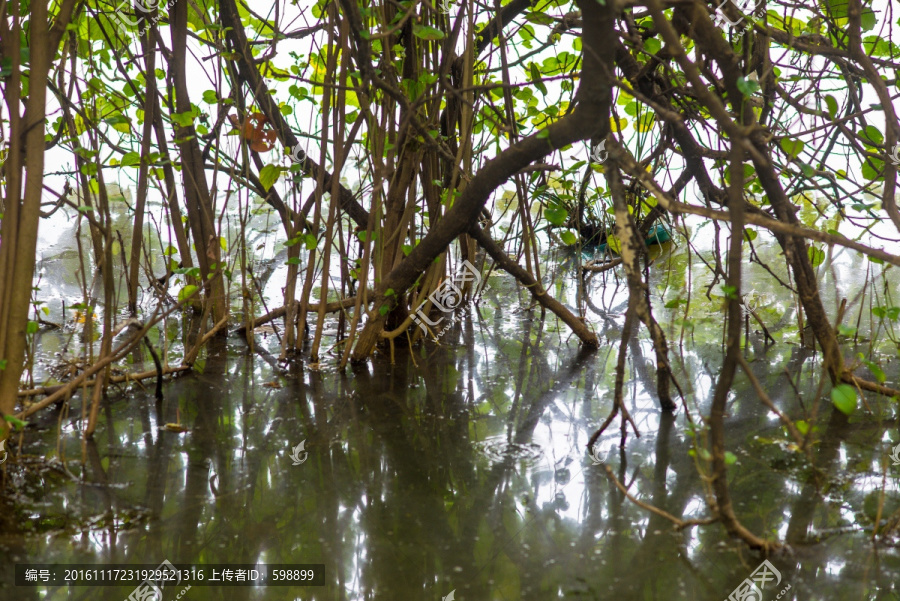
[[658, 234]]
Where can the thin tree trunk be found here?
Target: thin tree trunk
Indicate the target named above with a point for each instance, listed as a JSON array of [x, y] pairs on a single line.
[[137, 236], [199, 202], [18, 237], [724, 508], [632, 247]]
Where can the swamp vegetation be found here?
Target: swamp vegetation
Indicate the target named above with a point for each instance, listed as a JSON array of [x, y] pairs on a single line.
[[521, 299]]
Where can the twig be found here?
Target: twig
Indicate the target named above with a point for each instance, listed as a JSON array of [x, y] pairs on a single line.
[[870, 386], [601, 268], [311, 308], [679, 523], [112, 380]]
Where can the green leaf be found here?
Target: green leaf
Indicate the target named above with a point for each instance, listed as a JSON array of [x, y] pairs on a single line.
[[873, 169], [129, 159], [556, 216], [816, 256], [184, 119], [210, 97], [426, 32], [268, 175], [119, 123], [730, 458], [293, 261], [874, 368], [311, 241], [568, 238], [748, 87], [868, 20], [872, 135], [847, 331], [187, 292], [844, 398], [792, 148], [32, 327], [383, 310], [832, 105], [645, 122], [802, 427], [389, 293], [750, 234], [613, 243], [539, 18], [193, 272], [536, 79], [15, 421]]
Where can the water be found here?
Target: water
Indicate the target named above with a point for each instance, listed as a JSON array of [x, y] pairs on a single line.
[[462, 467]]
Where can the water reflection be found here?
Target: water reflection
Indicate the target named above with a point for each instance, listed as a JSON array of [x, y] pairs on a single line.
[[462, 467]]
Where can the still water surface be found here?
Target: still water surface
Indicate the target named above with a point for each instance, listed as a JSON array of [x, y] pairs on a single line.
[[462, 467]]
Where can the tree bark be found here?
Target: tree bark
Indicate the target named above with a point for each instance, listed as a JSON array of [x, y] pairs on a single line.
[[197, 195], [589, 118], [632, 248], [18, 236]]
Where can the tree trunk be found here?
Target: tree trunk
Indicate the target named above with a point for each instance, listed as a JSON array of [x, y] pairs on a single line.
[[197, 196], [18, 236]]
